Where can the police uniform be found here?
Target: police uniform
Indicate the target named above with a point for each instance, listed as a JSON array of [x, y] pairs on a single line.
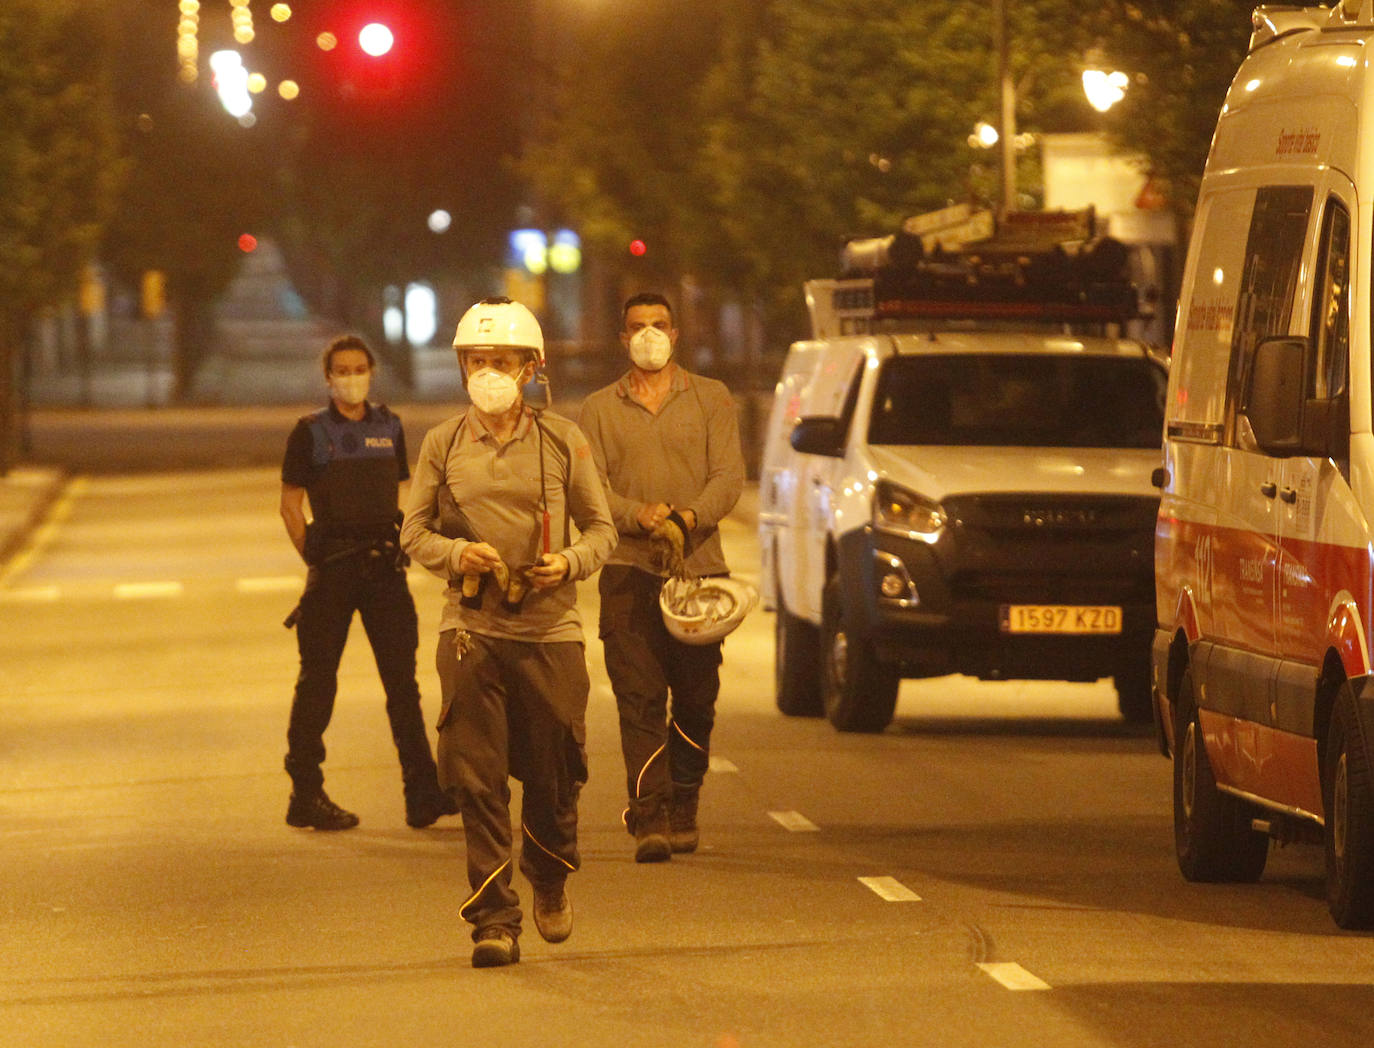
[[513, 673], [351, 471]]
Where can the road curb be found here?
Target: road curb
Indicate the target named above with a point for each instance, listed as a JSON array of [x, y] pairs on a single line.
[[26, 496]]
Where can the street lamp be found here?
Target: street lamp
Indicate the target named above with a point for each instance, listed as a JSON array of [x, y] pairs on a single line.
[[1104, 89]]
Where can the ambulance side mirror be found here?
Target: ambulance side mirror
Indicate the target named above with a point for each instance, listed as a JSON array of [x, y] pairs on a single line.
[[819, 435], [1285, 423]]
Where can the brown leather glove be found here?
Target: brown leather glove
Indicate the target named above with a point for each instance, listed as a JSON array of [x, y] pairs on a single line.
[[669, 546]]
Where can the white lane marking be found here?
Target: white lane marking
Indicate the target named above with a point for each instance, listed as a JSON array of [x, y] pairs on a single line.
[[1013, 976], [719, 764], [889, 889], [31, 594], [794, 821], [269, 584], [145, 590]]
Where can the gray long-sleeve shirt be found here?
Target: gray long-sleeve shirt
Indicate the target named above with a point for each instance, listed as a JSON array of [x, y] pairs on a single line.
[[498, 486], [687, 455]]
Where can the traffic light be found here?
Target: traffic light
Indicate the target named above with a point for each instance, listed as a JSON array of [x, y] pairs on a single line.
[[376, 39]]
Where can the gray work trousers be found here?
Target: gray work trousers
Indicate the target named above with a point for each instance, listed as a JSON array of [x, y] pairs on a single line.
[[662, 745], [513, 709]]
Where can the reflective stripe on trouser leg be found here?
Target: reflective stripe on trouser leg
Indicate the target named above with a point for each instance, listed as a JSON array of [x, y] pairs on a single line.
[[549, 688], [693, 673]]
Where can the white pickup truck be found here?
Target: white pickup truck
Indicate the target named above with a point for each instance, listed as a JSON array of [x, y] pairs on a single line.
[[964, 488]]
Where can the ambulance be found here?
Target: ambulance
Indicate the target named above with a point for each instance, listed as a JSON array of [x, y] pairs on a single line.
[[1264, 547]]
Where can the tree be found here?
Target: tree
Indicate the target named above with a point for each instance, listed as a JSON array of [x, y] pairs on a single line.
[[57, 166], [1181, 57], [197, 181]]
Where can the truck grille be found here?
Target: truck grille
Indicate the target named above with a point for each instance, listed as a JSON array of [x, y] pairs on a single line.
[[1057, 548]]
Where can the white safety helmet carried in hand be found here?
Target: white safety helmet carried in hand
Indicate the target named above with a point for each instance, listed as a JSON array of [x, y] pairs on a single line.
[[499, 323], [702, 611]]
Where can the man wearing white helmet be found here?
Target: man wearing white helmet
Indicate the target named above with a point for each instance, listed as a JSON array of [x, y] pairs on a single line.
[[492, 503], [667, 442]]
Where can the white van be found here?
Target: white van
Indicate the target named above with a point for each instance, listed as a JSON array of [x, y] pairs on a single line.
[[1265, 538]]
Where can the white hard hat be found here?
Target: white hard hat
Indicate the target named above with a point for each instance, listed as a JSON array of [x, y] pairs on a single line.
[[499, 323], [702, 611]]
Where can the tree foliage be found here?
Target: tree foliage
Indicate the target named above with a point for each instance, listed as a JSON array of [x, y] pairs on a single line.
[[817, 120], [57, 167]]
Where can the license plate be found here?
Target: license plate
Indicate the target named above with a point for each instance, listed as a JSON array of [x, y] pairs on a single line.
[[1061, 618]]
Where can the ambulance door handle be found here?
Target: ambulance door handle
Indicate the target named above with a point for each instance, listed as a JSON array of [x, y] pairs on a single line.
[[1269, 489], [1289, 495]]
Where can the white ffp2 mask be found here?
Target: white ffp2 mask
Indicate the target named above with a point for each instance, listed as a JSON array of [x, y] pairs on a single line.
[[650, 348], [492, 391], [350, 389]]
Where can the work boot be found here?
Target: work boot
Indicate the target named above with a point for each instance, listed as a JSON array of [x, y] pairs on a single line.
[[682, 819], [496, 947], [553, 914], [425, 808], [316, 811], [651, 835]]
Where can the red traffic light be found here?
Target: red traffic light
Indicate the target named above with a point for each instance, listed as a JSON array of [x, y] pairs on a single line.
[[376, 39], [638, 248]]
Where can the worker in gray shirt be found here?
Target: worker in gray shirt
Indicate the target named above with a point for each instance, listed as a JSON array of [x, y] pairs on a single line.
[[493, 501], [667, 443]]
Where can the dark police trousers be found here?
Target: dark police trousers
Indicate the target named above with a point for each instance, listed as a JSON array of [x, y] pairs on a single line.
[[513, 709], [369, 583], [645, 664]]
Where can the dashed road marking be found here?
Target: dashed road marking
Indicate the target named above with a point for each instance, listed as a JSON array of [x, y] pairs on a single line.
[[794, 821], [268, 584], [30, 594], [720, 764], [889, 889], [1013, 976], [147, 590]]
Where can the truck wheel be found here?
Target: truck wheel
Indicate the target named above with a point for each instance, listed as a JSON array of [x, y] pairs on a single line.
[[1348, 797], [859, 692], [796, 665], [1135, 695], [1212, 832]]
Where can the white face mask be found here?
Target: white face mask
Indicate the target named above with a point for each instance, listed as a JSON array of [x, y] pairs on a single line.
[[492, 392], [650, 348], [349, 389]]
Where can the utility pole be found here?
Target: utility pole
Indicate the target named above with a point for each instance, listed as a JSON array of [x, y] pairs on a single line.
[[1007, 129]]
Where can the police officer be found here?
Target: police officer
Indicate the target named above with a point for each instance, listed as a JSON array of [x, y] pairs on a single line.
[[497, 491], [349, 461]]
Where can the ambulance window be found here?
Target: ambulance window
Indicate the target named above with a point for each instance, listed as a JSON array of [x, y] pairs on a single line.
[[1331, 306], [1268, 286]]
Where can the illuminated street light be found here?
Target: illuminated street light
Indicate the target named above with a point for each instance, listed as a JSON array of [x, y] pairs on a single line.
[[231, 83], [1104, 89]]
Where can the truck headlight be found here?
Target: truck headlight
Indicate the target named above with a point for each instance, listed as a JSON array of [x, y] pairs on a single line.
[[903, 512]]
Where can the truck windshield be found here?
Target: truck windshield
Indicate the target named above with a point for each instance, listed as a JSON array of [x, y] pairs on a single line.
[[1019, 401]]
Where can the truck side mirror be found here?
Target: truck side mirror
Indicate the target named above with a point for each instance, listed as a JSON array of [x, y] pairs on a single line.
[[1275, 395], [819, 435]]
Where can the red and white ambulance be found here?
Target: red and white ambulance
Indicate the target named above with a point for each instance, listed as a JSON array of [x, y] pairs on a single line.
[[1264, 553]]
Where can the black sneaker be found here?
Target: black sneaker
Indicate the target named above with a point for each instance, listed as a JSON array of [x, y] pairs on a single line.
[[496, 947], [426, 809], [316, 811], [553, 914]]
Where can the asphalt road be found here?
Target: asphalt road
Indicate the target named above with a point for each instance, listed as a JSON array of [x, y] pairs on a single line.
[[996, 869]]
